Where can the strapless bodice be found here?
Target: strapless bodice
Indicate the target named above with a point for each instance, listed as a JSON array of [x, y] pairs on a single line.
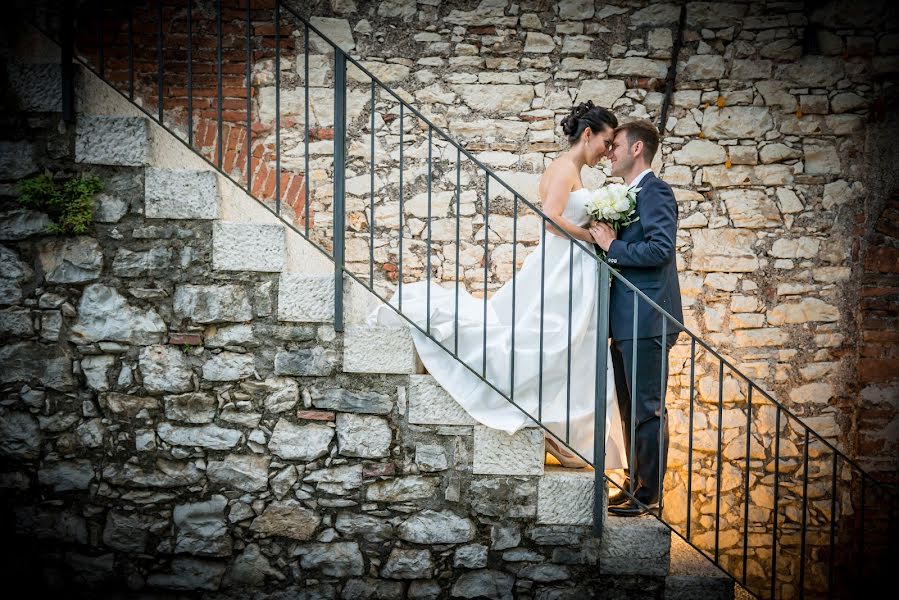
[[576, 210]]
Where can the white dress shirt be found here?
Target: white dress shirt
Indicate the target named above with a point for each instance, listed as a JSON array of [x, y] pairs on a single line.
[[639, 178]]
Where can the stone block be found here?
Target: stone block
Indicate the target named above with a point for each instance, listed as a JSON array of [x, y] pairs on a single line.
[[27, 361], [305, 443], [305, 298], [66, 475], [736, 122], [603, 92], [70, 260], [165, 369], [207, 436], [632, 546], [379, 350], [338, 559], [190, 574], [496, 99], [228, 366], [248, 247], [342, 400], [287, 519], [38, 88], [315, 362], [201, 528], [170, 194], [20, 435], [212, 304], [498, 453], [364, 436], [636, 66], [17, 160], [430, 404], [431, 527], [103, 314], [121, 141], [565, 496]]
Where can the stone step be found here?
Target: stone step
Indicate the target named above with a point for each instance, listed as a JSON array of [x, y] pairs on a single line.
[[430, 404], [177, 194], [635, 546], [692, 575], [119, 141], [248, 247], [498, 453], [306, 298], [378, 349], [37, 87], [565, 496]]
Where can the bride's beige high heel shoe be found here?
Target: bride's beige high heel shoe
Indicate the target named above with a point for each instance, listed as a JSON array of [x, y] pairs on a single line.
[[564, 455]]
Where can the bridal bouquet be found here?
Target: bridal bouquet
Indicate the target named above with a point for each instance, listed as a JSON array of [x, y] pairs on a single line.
[[614, 204]]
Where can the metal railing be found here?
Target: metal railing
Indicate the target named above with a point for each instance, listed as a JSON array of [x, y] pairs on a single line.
[[843, 537]]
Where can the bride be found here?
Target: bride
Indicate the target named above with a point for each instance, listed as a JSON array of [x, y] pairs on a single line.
[[553, 358]]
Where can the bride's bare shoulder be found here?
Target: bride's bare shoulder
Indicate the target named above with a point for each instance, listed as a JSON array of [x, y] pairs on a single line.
[[560, 170]]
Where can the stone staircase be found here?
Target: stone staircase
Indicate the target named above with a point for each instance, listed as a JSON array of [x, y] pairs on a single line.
[[637, 556]]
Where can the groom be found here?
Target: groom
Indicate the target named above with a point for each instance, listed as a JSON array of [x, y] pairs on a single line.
[[645, 256]]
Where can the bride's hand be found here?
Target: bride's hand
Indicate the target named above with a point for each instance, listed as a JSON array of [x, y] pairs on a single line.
[[602, 234]]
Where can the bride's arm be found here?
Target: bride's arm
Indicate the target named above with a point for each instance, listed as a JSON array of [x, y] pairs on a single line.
[[557, 190]]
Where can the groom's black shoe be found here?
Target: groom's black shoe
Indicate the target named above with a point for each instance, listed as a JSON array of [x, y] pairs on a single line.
[[632, 509]]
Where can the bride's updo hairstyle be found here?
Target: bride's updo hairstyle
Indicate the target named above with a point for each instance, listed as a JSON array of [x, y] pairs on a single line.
[[586, 115]]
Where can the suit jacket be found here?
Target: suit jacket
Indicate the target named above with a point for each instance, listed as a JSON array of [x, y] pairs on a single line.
[[644, 254]]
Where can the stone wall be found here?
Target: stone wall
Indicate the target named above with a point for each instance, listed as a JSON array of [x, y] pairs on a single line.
[[166, 430], [769, 151], [765, 145]]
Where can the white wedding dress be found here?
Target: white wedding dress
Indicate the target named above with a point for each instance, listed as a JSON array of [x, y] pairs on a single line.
[[557, 400]]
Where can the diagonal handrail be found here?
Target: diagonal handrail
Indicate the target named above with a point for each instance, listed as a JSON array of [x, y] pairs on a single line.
[[605, 272]]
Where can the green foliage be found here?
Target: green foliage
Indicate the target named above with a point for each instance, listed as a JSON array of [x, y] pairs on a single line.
[[68, 202]]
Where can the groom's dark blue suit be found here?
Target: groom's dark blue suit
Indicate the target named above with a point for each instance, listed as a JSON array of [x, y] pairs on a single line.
[[644, 254]]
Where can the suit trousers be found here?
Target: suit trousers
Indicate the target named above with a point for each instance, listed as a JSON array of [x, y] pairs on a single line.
[[645, 396]]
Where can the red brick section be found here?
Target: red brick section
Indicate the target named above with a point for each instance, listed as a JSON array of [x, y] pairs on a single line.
[[878, 346], [316, 415], [204, 79], [189, 339]]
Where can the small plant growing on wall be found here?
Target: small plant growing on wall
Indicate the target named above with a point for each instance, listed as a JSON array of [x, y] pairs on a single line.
[[67, 201]]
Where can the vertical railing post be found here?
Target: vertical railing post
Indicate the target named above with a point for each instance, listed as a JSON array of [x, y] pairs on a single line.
[[219, 95], [248, 30], [160, 64], [339, 181], [602, 365], [68, 67], [278, 109]]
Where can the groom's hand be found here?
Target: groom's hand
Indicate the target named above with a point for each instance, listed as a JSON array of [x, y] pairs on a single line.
[[602, 234]]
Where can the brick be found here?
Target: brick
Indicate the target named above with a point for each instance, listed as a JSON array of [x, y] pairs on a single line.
[[882, 260], [190, 339], [316, 415], [378, 470], [878, 371], [881, 336]]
